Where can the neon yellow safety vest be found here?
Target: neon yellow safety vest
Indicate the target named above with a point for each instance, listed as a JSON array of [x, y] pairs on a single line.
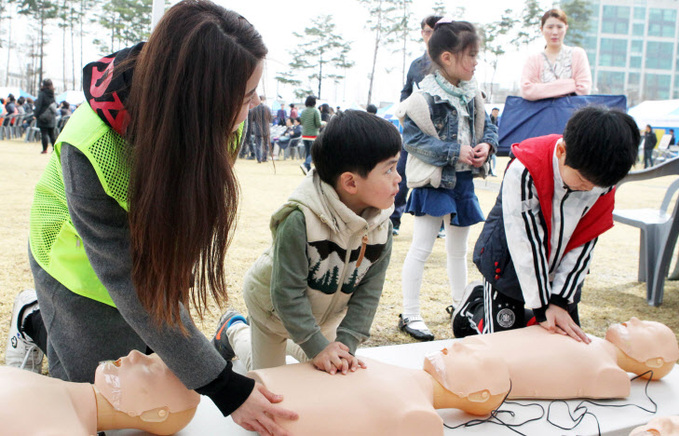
[[54, 242]]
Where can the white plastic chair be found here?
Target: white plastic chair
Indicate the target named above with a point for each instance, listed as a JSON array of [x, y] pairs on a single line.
[[658, 230]]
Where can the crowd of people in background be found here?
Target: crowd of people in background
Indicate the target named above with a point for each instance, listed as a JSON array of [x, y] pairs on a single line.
[[44, 113]]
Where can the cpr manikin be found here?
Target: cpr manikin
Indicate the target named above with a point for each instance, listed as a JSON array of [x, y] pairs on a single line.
[[473, 375], [661, 426], [388, 399], [137, 392], [543, 365]]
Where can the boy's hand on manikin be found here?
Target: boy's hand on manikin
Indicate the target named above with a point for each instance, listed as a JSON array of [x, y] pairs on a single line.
[[336, 357], [481, 154], [560, 321], [466, 155]]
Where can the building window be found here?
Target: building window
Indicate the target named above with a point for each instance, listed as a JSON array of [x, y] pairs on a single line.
[[633, 79], [635, 62], [637, 46], [613, 52], [656, 55], [638, 29], [611, 82], [639, 13], [615, 19], [589, 43], [661, 22], [657, 86]]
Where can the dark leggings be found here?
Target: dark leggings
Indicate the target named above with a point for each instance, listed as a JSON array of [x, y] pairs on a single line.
[[46, 132]]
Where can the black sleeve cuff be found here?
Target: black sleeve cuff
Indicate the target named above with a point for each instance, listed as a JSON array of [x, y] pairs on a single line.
[[229, 390], [559, 301], [540, 313]]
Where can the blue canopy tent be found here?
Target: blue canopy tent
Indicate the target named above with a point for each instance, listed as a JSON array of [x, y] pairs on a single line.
[[522, 119]]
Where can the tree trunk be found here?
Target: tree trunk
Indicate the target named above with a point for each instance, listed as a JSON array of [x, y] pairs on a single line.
[[82, 15], [63, 48], [9, 48], [72, 48], [405, 40], [42, 45], [320, 75], [378, 37]]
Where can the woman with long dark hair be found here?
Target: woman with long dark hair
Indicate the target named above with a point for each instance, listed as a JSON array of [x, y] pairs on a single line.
[[46, 118], [152, 200]]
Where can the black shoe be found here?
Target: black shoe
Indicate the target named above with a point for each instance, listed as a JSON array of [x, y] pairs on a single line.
[[421, 334], [221, 340], [463, 322], [395, 231]]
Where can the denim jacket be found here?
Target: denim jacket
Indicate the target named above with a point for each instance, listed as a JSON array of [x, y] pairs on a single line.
[[444, 150]]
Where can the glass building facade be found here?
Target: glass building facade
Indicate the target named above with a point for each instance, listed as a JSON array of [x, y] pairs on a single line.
[[633, 48]]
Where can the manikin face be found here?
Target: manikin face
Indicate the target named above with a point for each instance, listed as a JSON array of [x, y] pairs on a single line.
[[644, 341], [554, 32], [459, 67], [380, 186], [251, 99], [138, 383], [465, 369]]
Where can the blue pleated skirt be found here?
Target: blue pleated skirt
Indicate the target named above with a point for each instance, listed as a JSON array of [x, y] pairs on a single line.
[[460, 202]]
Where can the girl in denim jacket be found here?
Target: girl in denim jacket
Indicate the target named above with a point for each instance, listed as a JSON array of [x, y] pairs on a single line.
[[465, 139]]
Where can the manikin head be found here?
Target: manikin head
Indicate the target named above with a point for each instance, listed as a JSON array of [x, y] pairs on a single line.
[[660, 426], [471, 371], [140, 385], [652, 345]]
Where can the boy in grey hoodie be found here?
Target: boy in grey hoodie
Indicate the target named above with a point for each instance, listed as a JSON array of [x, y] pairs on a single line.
[[321, 280]]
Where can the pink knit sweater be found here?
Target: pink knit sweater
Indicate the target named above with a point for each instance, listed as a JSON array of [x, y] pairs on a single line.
[[532, 87]]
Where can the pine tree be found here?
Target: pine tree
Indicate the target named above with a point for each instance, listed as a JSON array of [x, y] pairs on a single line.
[[493, 42], [578, 12], [41, 11], [385, 20], [129, 22], [321, 54]]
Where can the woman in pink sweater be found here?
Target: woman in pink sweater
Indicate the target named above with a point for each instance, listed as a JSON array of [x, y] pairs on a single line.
[[558, 70]]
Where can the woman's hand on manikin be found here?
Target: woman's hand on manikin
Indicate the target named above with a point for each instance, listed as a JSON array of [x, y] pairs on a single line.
[[257, 413], [480, 154]]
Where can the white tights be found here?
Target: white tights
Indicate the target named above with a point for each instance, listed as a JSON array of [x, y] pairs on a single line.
[[425, 230]]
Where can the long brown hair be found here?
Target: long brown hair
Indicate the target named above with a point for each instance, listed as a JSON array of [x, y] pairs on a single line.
[[188, 88]]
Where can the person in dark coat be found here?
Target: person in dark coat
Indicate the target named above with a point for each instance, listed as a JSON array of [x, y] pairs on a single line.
[[649, 144], [46, 118]]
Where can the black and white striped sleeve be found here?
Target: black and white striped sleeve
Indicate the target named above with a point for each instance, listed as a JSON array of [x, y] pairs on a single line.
[[526, 233], [572, 270]]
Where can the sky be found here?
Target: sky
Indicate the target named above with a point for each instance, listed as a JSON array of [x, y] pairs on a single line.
[[277, 24]]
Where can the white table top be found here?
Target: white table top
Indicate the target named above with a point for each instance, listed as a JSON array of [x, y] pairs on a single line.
[[612, 421]]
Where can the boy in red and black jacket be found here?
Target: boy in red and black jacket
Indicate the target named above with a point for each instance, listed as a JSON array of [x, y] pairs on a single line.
[[536, 246]]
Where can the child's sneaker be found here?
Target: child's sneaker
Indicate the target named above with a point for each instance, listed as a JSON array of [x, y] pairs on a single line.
[[463, 316], [21, 351], [221, 340], [415, 327]]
